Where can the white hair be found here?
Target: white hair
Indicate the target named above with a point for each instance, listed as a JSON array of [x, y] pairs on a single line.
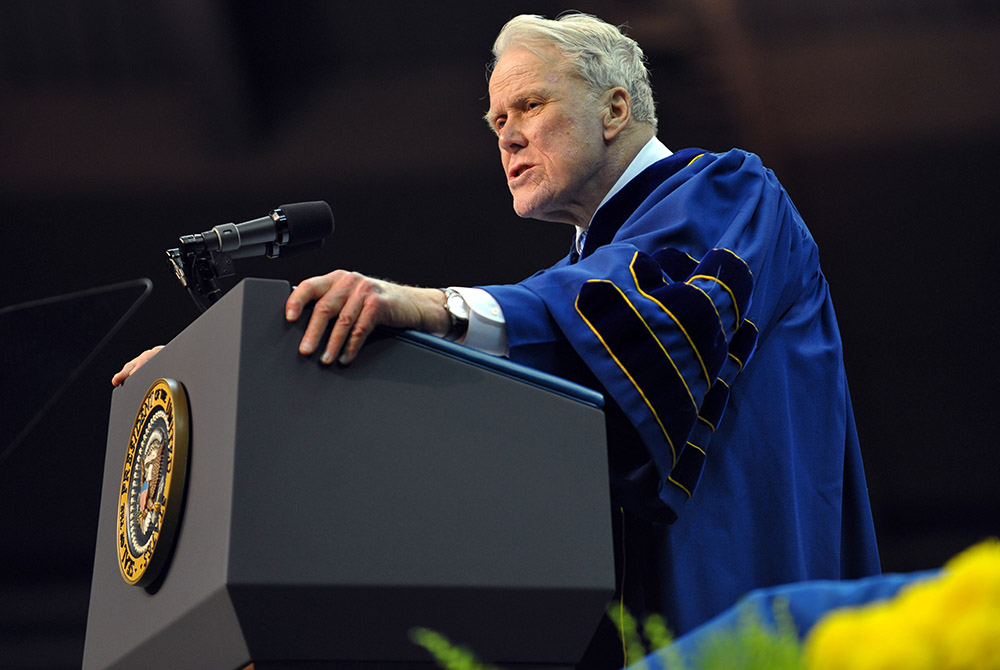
[[601, 54]]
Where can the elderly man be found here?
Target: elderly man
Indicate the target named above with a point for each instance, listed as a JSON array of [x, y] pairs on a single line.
[[692, 297]]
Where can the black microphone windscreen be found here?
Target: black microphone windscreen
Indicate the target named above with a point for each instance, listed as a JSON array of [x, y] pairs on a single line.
[[308, 221]]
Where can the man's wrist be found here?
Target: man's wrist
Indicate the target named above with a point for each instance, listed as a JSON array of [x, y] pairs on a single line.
[[458, 315]]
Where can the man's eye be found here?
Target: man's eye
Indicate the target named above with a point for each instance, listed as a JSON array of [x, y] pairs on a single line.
[[500, 123]]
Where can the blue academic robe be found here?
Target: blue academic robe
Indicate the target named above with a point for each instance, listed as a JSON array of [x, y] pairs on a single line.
[[699, 309]]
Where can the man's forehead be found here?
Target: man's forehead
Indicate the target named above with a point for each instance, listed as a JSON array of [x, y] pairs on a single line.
[[522, 67]]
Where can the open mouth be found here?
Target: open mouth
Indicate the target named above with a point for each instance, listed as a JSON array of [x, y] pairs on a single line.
[[518, 171]]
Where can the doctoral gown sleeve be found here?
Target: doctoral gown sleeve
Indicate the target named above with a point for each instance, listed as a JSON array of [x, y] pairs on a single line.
[[667, 313]]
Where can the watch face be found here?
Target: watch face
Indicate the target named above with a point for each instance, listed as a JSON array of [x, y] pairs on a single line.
[[457, 306]]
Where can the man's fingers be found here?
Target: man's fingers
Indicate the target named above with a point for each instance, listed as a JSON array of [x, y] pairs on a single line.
[[357, 320], [364, 324], [323, 291], [122, 374], [353, 324], [129, 368], [349, 305], [323, 311], [303, 294]]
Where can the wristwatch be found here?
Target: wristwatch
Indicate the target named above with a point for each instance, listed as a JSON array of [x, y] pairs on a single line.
[[458, 311]]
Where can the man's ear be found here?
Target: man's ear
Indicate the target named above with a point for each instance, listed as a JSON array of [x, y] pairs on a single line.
[[617, 112]]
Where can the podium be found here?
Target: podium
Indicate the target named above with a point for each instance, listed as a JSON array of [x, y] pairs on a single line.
[[329, 510]]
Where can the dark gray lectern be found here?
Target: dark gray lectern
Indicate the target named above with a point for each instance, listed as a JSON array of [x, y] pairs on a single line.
[[329, 510]]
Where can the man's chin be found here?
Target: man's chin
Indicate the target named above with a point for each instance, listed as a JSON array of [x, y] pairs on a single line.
[[524, 211], [530, 210], [539, 215]]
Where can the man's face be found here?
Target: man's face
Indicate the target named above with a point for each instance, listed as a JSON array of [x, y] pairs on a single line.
[[551, 139]]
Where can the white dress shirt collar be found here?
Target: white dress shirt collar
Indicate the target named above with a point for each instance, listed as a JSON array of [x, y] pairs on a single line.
[[654, 150]]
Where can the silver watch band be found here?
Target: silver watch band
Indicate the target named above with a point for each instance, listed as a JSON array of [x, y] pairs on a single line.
[[458, 311]]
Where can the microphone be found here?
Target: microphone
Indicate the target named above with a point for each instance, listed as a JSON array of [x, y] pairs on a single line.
[[300, 223], [204, 257]]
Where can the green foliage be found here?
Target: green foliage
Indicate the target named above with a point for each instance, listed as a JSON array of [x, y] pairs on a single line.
[[656, 631], [657, 638], [446, 654], [753, 645]]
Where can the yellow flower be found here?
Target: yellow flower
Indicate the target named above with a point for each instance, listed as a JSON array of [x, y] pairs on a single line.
[[921, 605], [869, 638], [831, 641], [972, 642], [973, 577], [951, 622]]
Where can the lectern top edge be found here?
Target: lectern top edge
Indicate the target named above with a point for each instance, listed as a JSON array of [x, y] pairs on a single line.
[[503, 366]]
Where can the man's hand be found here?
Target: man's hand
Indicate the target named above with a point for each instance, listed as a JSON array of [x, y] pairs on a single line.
[[134, 365], [356, 304]]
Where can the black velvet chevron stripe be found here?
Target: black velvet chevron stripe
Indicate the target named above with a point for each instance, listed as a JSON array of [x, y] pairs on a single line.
[[687, 469], [628, 338], [695, 295], [730, 270], [714, 405], [743, 342], [677, 264], [692, 309], [696, 313], [648, 273]]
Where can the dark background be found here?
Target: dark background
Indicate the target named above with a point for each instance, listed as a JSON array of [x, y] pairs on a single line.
[[124, 125]]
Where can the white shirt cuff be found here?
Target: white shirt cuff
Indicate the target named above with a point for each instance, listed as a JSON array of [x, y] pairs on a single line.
[[487, 326]]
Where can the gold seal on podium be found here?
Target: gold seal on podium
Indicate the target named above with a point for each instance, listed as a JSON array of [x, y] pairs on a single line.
[[152, 483]]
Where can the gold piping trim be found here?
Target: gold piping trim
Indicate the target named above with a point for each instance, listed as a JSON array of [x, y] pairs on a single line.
[[621, 602], [576, 305], [737, 257], [679, 485], [714, 308], [721, 283], [694, 347], [698, 448]]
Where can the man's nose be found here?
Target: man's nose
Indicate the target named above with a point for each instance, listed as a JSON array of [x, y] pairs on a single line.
[[510, 137]]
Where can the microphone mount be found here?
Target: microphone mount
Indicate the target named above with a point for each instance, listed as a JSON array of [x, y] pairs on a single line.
[[204, 258], [199, 272]]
